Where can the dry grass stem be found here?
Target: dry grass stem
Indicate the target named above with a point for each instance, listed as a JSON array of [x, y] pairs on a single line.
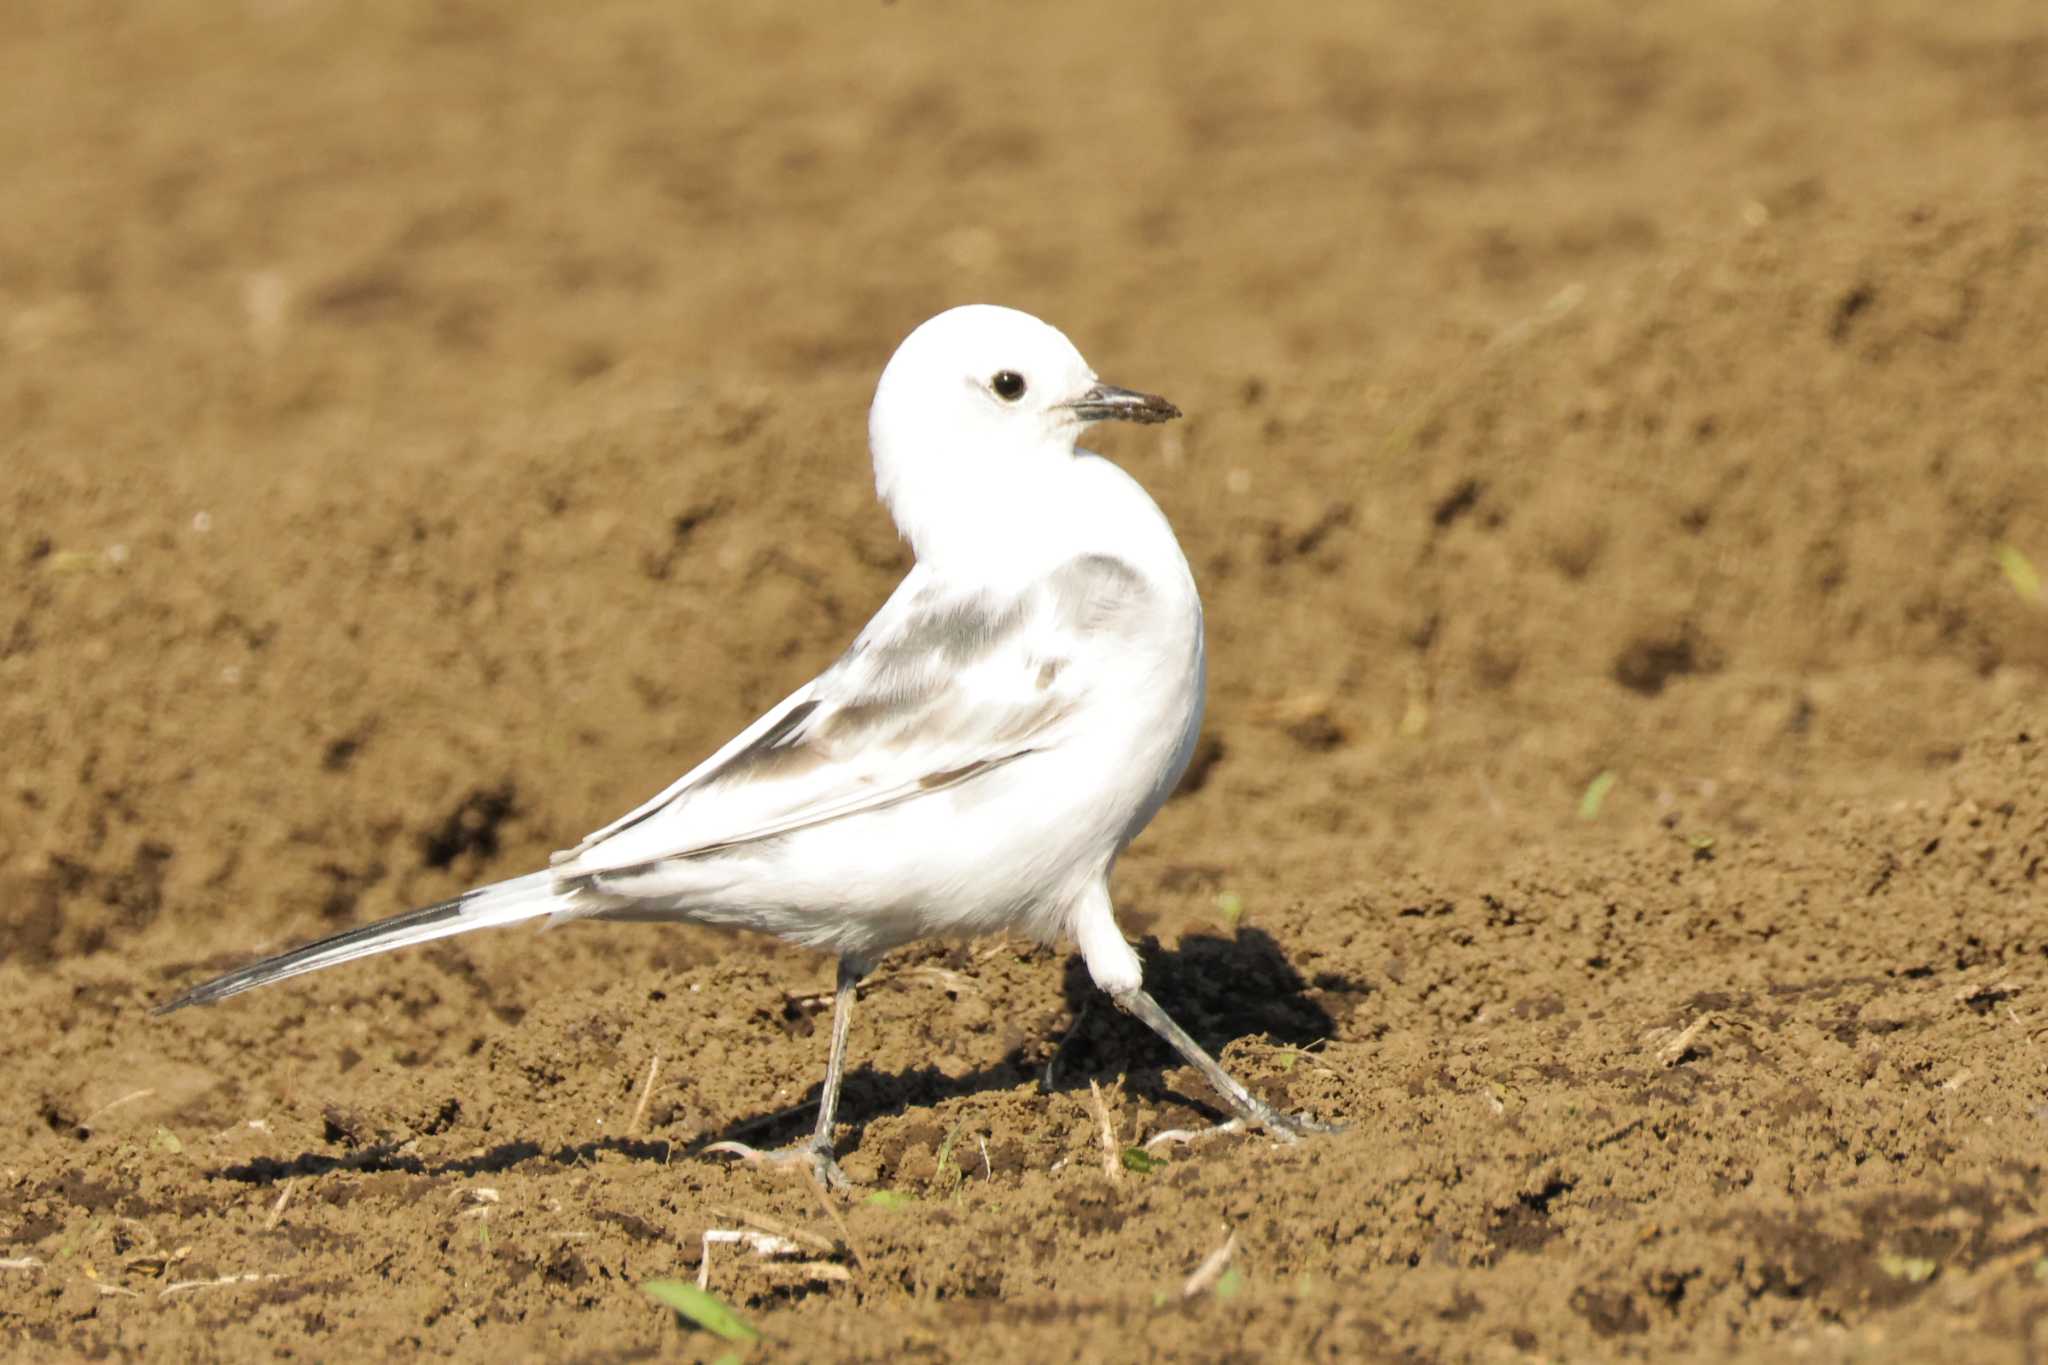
[[772, 1247], [819, 1270], [1112, 1157], [763, 1223], [760, 1243], [96, 1115], [646, 1094], [284, 1197], [1318, 1056], [188, 1286], [1211, 1269], [838, 1221], [1673, 1052], [999, 944]]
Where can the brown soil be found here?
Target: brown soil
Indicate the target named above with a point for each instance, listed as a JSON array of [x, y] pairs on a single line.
[[403, 412]]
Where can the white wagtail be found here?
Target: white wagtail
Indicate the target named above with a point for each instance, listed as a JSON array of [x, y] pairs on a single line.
[[1015, 713]]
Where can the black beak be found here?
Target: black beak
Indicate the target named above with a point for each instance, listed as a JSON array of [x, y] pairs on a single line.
[[1108, 403]]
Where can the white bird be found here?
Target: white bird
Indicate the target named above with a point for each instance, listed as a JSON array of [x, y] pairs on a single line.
[[1013, 716]]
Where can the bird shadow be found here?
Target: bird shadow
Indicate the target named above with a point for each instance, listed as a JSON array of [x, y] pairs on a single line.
[[1218, 988]]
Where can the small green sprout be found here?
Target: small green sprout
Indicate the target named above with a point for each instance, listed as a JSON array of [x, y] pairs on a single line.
[[2019, 571], [1596, 795], [702, 1307], [1143, 1162], [945, 1161], [1230, 905]]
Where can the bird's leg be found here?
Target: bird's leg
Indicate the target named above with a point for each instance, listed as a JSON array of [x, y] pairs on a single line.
[[818, 1150], [843, 1001], [1249, 1108]]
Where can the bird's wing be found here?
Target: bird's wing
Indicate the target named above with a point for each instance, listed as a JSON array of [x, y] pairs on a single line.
[[941, 687]]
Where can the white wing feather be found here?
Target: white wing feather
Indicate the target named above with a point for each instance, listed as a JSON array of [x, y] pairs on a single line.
[[941, 687]]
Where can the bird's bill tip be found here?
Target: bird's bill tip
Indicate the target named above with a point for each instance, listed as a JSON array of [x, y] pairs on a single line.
[[1108, 403]]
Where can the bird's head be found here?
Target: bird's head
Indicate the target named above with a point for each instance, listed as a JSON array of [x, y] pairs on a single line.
[[974, 404]]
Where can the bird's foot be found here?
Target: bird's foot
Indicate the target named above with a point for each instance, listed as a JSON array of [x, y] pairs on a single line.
[[814, 1153], [1251, 1111], [1290, 1127], [1284, 1128]]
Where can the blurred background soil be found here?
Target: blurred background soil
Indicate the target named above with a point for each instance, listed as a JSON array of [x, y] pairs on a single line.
[[1615, 470]]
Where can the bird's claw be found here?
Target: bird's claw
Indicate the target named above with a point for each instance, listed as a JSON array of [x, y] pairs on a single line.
[[815, 1154], [1286, 1129], [1299, 1125]]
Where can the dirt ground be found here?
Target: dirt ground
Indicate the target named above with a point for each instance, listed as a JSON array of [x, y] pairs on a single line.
[[1614, 466]]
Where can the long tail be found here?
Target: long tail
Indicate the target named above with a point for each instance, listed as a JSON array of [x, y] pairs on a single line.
[[501, 903]]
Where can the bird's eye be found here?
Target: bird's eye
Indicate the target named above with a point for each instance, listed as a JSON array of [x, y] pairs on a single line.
[[1008, 384]]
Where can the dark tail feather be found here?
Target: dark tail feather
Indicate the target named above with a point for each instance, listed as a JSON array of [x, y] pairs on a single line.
[[504, 903]]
